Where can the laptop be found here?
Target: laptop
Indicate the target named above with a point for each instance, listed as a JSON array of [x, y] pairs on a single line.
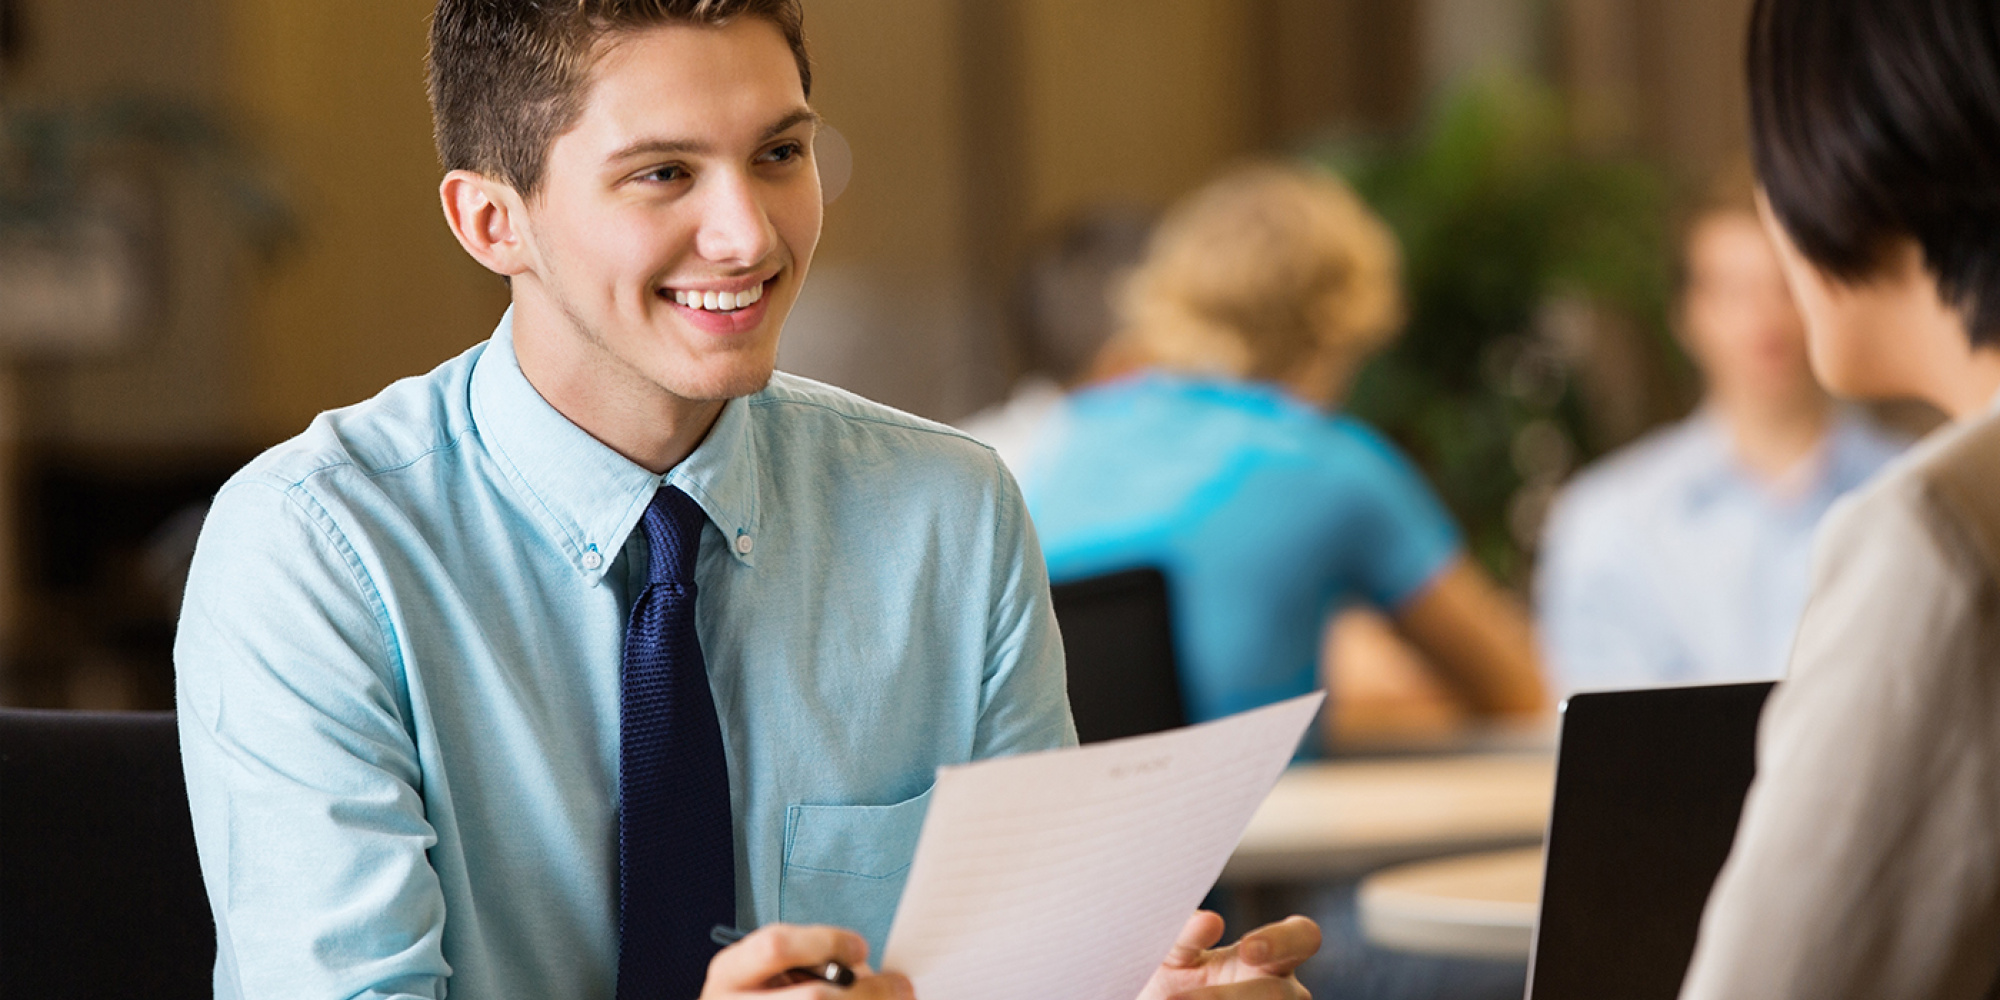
[[1649, 785]]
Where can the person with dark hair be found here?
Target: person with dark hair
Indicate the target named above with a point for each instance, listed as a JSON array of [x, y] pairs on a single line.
[[523, 677], [1867, 861]]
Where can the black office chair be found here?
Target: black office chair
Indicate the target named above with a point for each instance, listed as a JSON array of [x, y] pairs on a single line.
[[1118, 638], [100, 892]]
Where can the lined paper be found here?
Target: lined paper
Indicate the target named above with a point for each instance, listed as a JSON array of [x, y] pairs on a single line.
[[1069, 873]]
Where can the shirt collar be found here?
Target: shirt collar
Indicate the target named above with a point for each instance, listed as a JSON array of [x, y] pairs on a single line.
[[1853, 451], [721, 475], [1711, 466], [1836, 464], [586, 497]]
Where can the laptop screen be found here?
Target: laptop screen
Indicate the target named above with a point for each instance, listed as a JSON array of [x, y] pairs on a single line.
[[1649, 784]]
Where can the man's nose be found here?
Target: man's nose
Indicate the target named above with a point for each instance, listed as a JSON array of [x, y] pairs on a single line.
[[735, 228]]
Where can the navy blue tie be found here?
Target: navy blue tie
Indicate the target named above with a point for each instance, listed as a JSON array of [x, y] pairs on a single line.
[[676, 854]]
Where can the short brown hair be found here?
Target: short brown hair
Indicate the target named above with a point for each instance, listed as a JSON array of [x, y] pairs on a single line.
[[507, 77], [1731, 191]]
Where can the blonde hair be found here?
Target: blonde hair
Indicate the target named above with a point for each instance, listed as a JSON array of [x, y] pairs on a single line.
[[1267, 272]]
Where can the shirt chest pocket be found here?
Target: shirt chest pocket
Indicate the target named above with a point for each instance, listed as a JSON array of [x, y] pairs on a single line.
[[846, 865]]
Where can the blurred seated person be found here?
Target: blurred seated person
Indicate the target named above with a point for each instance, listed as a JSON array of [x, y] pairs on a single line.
[[1217, 459], [1383, 696], [1063, 311], [1683, 558]]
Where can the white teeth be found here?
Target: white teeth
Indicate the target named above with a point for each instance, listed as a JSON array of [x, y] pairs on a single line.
[[719, 301]]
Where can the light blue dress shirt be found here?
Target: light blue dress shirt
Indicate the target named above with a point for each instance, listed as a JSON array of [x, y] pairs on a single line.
[[1264, 514], [1667, 563], [398, 675]]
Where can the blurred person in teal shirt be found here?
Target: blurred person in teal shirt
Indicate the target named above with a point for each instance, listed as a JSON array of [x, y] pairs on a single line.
[[1217, 457]]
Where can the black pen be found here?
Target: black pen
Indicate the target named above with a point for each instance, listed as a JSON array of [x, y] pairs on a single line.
[[832, 972]]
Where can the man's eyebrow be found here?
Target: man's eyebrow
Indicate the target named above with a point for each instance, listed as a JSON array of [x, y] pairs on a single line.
[[802, 116], [658, 147], [694, 147]]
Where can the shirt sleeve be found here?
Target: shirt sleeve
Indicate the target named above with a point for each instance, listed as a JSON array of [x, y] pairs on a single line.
[[303, 779], [1402, 535], [1025, 694], [1597, 623], [1867, 862]]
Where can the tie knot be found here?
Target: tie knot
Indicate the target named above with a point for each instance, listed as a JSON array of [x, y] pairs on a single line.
[[673, 531]]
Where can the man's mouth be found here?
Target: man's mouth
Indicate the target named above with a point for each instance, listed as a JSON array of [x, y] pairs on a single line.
[[718, 301]]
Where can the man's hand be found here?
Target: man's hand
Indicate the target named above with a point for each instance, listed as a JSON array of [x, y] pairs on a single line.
[[758, 966], [1258, 967]]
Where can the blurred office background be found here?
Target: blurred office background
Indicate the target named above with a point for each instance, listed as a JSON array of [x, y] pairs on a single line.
[[218, 218]]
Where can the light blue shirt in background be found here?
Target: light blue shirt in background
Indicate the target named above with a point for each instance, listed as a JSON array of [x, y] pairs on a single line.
[[1264, 514], [1667, 563], [398, 675]]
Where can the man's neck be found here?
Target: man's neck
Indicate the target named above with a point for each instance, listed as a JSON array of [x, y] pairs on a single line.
[[1770, 437], [1970, 387], [636, 418]]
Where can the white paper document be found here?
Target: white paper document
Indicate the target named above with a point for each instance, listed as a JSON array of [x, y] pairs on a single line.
[[1066, 875]]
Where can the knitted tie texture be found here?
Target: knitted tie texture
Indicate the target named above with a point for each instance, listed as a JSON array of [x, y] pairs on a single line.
[[676, 859]]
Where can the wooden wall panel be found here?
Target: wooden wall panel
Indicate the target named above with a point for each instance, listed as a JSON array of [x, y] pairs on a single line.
[[377, 289]]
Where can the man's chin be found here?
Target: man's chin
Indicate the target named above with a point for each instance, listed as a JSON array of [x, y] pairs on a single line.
[[719, 387]]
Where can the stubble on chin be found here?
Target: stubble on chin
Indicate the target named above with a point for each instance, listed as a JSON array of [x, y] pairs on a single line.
[[714, 379], [735, 385], [721, 376]]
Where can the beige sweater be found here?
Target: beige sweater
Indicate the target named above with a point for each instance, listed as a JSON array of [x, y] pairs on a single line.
[[1868, 859]]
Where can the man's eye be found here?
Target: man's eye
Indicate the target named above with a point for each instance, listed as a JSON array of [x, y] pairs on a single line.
[[788, 151], [665, 174]]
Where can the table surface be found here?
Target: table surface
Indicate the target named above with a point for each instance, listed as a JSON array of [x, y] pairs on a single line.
[[1471, 906], [1342, 819]]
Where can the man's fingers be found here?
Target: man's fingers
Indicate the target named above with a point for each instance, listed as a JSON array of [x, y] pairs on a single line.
[[1277, 949], [765, 955], [887, 986], [1202, 930], [1253, 989]]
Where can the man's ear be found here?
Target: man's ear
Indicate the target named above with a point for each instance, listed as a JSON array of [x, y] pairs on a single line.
[[488, 217]]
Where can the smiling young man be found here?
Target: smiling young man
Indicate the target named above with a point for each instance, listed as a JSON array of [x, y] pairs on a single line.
[[517, 679]]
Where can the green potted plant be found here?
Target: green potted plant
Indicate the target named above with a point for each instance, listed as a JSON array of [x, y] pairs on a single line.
[[1538, 284]]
